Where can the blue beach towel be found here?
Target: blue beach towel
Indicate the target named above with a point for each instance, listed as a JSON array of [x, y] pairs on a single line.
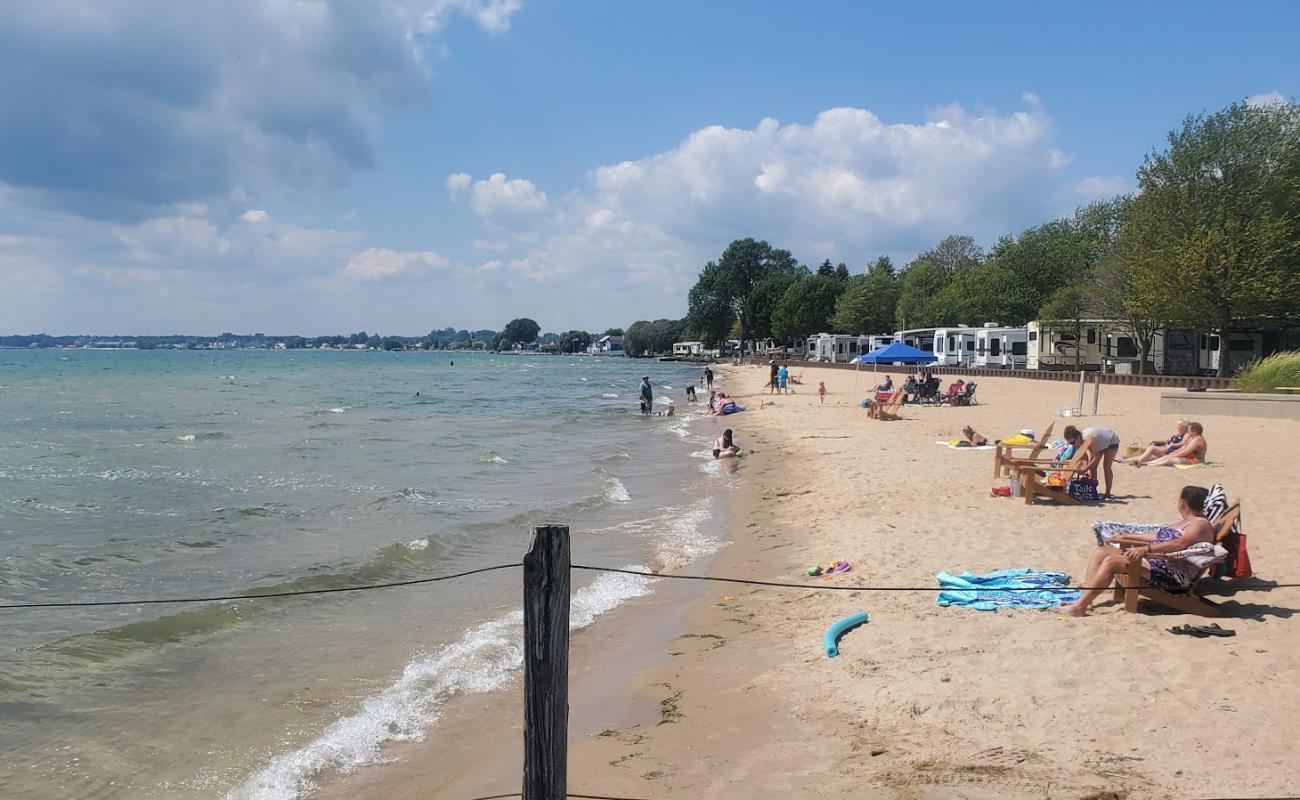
[[989, 592]]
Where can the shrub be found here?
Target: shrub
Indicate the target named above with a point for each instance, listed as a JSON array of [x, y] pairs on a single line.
[[1266, 374]]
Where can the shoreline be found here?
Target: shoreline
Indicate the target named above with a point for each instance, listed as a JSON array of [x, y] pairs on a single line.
[[736, 699]]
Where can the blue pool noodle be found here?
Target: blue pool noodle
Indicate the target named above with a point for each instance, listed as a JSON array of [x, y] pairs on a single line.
[[831, 641]]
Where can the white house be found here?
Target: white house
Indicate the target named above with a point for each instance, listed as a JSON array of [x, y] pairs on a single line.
[[607, 345], [688, 348]]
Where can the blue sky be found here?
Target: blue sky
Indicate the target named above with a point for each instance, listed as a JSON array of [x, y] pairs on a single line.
[[397, 165]]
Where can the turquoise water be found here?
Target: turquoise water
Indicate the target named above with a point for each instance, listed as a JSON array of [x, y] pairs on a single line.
[[161, 474]]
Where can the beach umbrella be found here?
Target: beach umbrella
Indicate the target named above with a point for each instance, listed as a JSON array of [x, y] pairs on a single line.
[[896, 353]]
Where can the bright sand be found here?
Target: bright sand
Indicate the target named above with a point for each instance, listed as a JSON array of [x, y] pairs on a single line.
[[928, 702]]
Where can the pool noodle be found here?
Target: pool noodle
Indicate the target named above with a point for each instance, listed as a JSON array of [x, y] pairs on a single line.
[[832, 638]]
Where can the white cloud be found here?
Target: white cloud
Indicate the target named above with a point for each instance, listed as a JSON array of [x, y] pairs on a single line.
[[1266, 99], [255, 215], [378, 263], [457, 183], [490, 245], [1099, 187], [499, 199], [846, 186]]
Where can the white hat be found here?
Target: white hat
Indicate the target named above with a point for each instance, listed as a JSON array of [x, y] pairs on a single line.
[[1028, 432]]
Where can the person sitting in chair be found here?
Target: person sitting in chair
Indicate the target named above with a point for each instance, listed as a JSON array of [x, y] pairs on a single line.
[[1106, 562]]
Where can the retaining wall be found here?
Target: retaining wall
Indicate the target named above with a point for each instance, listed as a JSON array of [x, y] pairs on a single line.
[[1230, 404]]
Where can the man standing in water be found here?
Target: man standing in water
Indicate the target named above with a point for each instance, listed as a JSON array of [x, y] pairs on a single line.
[[708, 378], [647, 395]]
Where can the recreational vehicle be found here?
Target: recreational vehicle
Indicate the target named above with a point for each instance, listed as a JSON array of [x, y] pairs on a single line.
[[1001, 348], [835, 348], [954, 347], [1053, 347], [920, 338]]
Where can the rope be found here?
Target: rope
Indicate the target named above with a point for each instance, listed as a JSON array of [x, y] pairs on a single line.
[[295, 593], [587, 568]]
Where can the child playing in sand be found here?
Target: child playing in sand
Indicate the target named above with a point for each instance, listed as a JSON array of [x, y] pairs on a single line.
[[821, 390]]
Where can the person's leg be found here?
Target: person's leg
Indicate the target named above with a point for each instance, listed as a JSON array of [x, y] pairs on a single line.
[[1108, 466], [1099, 554], [1100, 582]]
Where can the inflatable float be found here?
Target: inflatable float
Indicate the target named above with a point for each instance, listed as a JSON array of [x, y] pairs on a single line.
[[831, 641]]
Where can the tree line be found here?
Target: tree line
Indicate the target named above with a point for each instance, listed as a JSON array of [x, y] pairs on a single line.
[[1209, 242]]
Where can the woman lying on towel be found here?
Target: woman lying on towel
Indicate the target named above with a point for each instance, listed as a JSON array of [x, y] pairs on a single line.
[[1191, 528]]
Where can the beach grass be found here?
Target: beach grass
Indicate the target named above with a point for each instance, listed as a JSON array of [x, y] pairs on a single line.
[[1267, 374]]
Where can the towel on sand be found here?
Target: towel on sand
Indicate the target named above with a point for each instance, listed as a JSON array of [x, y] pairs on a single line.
[[952, 446], [991, 591]]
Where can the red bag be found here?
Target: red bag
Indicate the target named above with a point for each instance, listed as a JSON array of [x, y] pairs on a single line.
[[1238, 558]]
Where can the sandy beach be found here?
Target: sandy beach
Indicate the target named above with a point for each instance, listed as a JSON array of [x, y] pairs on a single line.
[[728, 694], [945, 702]]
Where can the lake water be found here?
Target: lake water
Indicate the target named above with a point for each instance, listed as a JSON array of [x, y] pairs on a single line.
[[138, 474]]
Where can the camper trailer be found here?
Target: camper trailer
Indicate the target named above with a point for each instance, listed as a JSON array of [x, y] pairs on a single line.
[[920, 338], [835, 348], [1001, 348], [1052, 347], [954, 347]]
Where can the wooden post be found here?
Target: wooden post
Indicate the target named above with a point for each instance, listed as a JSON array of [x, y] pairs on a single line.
[[1096, 392], [546, 664]]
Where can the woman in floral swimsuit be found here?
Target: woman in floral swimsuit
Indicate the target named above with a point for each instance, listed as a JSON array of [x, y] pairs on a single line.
[[1107, 562]]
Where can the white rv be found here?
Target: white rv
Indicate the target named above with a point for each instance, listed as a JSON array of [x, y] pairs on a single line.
[[920, 338], [1059, 347], [1001, 348], [954, 347], [836, 348]]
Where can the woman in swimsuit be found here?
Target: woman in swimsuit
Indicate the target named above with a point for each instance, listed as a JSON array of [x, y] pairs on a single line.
[[1160, 449], [1107, 562], [1191, 451], [725, 447]]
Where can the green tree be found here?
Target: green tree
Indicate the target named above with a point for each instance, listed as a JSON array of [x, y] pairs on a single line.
[[521, 331], [1221, 208], [613, 332], [763, 301], [638, 340], [868, 302], [826, 269], [574, 341], [724, 289], [920, 281], [806, 308], [842, 271], [954, 254], [1065, 311]]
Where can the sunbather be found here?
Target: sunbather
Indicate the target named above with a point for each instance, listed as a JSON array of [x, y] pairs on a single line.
[[1191, 451], [954, 391], [1107, 562], [1160, 448], [976, 439]]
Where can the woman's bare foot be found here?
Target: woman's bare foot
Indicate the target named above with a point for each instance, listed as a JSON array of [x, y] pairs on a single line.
[[1075, 610]]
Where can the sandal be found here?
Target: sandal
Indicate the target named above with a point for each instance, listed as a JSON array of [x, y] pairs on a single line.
[[1202, 631]]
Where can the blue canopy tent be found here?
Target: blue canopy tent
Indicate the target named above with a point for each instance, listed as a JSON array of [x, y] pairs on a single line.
[[896, 353]]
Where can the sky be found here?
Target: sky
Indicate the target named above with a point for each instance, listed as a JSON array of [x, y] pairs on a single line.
[[395, 166]]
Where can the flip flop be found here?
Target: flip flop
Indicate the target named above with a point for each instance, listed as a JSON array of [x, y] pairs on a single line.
[[1188, 630], [1213, 629]]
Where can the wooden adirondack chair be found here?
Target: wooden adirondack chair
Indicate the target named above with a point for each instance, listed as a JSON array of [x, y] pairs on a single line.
[[1129, 585], [1034, 484], [1006, 453], [889, 410]]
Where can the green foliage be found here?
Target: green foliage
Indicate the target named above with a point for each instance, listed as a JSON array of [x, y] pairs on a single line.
[[723, 293], [806, 307], [920, 281], [842, 271], [1220, 212], [521, 331], [868, 302], [1267, 374], [574, 341], [763, 301], [613, 332], [825, 269], [646, 338], [1065, 310]]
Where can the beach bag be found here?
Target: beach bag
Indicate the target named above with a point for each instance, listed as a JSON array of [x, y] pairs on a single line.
[[1133, 450], [1238, 558], [1083, 490]]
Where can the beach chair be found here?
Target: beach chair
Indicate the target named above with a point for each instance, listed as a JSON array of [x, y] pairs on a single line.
[[1129, 585], [887, 409], [1006, 453], [1033, 482], [968, 397]]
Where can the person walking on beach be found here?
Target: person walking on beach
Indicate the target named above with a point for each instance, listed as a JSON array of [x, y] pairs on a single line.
[[1102, 451], [647, 395], [771, 381], [708, 378], [783, 378], [821, 391]]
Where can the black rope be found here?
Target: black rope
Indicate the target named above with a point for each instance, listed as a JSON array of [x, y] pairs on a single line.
[[292, 593], [585, 567], [808, 587]]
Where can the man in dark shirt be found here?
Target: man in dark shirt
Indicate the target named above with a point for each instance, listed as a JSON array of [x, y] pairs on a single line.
[[647, 395]]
